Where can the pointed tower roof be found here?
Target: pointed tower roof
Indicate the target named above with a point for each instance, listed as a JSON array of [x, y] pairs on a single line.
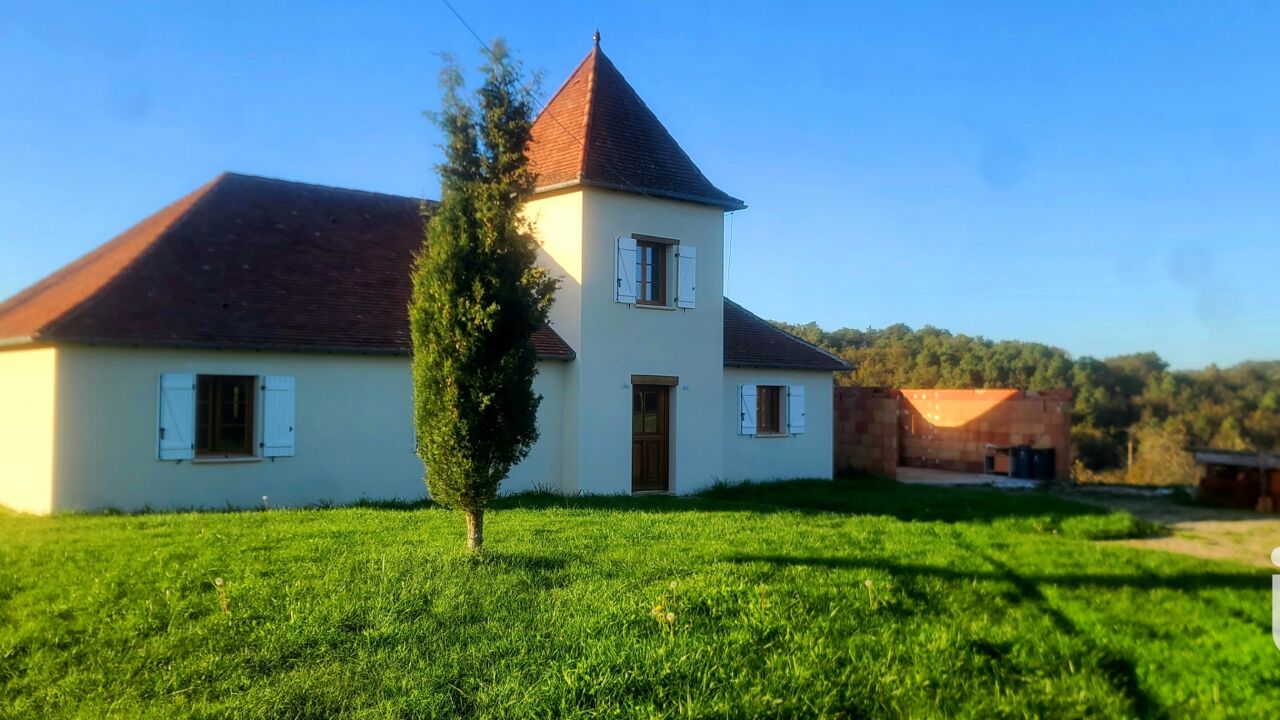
[[597, 131]]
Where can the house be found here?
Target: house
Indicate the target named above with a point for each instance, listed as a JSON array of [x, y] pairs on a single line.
[[250, 340]]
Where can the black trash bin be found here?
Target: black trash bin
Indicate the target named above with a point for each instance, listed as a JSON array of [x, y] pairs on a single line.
[[1042, 463], [1020, 462]]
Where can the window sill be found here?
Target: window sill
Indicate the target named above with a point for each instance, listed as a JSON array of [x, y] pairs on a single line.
[[230, 459], [772, 435], [642, 306]]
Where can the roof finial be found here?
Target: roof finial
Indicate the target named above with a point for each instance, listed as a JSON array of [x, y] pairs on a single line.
[[595, 37]]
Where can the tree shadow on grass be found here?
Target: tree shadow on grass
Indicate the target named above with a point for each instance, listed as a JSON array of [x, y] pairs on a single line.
[[1119, 670], [851, 496], [1027, 585], [516, 561], [863, 496], [543, 572]]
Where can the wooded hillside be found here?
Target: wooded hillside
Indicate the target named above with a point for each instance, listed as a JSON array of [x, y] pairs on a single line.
[[1234, 408]]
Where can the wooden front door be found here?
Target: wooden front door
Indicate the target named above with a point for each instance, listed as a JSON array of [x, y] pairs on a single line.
[[649, 437]]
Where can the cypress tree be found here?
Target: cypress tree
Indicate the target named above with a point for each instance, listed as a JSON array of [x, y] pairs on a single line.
[[478, 296]]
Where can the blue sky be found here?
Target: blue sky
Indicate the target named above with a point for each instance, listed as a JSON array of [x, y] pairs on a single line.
[[1100, 176]]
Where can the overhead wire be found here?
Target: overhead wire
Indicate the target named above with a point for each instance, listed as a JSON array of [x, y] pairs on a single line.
[[542, 109]]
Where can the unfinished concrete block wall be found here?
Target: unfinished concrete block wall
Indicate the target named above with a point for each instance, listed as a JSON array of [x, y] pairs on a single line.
[[947, 429]]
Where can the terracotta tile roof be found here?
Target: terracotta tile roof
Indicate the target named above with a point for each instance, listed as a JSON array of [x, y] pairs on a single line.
[[245, 262], [597, 131], [255, 263], [29, 312], [751, 341]]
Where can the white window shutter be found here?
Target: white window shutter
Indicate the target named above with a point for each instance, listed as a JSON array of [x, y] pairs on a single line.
[[795, 409], [625, 269], [747, 410], [176, 417], [277, 416], [686, 275]]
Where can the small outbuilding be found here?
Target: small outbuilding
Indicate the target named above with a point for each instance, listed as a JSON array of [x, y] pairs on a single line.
[[1240, 479]]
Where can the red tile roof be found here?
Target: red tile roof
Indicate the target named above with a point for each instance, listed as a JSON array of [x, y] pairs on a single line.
[[254, 263], [245, 262], [752, 341], [30, 312], [597, 131]]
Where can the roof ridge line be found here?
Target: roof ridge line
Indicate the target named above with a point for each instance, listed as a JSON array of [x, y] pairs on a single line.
[[662, 126], [589, 107], [564, 84], [268, 178], [551, 101], [202, 194]]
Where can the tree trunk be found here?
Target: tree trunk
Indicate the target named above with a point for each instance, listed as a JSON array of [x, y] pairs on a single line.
[[475, 530]]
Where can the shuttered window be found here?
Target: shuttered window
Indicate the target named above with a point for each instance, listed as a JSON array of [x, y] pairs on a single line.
[[771, 410], [656, 272], [224, 416]]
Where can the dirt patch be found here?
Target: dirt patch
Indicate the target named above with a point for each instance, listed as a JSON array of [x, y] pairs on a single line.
[[1244, 537]]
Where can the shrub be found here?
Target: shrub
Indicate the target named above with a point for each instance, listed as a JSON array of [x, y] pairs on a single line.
[[1162, 458]]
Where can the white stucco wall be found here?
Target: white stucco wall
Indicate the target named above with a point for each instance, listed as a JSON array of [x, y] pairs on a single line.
[[615, 341], [354, 434], [557, 223], [27, 397], [807, 455], [544, 468]]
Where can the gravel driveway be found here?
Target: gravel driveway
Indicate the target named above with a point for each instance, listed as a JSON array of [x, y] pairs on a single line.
[[1242, 536]]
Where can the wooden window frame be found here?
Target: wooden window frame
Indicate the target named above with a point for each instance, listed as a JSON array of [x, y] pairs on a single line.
[[211, 418], [659, 284], [769, 420]]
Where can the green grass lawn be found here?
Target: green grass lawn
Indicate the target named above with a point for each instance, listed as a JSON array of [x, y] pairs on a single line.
[[803, 599]]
